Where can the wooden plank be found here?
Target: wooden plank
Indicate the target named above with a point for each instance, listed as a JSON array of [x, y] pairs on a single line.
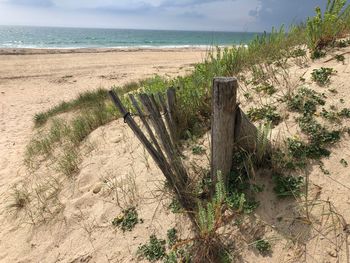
[[145, 123], [159, 126], [173, 112], [246, 133], [159, 160], [224, 96], [168, 120]]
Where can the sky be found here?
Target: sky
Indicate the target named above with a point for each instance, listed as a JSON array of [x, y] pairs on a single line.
[[209, 15]]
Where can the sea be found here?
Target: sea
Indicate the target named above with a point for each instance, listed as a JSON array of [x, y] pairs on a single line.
[[68, 38]]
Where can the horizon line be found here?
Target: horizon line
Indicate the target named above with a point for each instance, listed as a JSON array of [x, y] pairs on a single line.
[[144, 29]]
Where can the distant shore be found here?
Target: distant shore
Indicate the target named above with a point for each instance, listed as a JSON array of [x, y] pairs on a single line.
[[38, 51]]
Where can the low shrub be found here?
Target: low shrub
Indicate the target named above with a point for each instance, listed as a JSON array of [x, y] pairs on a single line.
[[288, 185], [263, 246], [154, 250], [323, 75], [127, 220], [266, 113]]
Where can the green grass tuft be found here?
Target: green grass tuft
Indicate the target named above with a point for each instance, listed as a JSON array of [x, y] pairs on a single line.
[[68, 162]]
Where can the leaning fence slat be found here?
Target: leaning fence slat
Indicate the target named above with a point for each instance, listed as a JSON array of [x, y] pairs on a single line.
[[162, 164], [173, 111], [168, 120], [145, 123], [159, 126], [179, 189], [175, 158]]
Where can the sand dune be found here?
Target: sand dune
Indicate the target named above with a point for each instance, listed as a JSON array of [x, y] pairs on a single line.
[[81, 231], [36, 82]]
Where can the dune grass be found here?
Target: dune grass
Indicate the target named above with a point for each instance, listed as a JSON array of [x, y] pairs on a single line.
[[67, 135], [84, 101], [324, 28]]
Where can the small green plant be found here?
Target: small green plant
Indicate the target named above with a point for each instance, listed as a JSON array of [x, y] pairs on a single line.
[[127, 220], [331, 116], [240, 204], [175, 206], [305, 101], [342, 43], [208, 246], [171, 257], [267, 113], [154, 250], [263, 246], [301, 150], [322, 75], [345, 113], [172, 237], [287, 185], [266, 89], [340, 58], [240, 191], [317, 54], [344, 163], [318, 134], [248, 96], [198, 150], [323, 169]]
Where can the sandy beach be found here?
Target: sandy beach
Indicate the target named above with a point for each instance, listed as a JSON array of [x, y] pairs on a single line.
[[78, 226], [36, 82], [174, 131]]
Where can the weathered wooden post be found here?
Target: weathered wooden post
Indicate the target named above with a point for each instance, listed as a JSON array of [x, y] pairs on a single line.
[[224, 102]]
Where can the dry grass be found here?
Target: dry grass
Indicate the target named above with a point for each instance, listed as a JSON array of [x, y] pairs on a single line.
[[36, 201], [122, 190]]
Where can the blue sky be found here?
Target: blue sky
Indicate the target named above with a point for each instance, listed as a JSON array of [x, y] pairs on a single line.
[[225, 15]]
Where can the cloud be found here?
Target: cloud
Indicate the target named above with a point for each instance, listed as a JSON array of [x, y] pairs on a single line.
[[227, 15], [33, 3], [186, 3], [276, 12]]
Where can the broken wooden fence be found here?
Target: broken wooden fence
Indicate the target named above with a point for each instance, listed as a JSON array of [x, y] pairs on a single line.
[[230, 128]]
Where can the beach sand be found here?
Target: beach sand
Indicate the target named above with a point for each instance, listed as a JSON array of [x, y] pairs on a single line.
[[35, 80], [81, 231]]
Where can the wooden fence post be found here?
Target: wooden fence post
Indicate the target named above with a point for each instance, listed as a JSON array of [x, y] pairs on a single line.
[[224, 96]]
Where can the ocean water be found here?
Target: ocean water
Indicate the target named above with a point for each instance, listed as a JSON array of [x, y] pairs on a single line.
[[55, 37]]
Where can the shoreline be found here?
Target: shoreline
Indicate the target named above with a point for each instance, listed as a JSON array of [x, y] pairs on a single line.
[[44, 51]]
